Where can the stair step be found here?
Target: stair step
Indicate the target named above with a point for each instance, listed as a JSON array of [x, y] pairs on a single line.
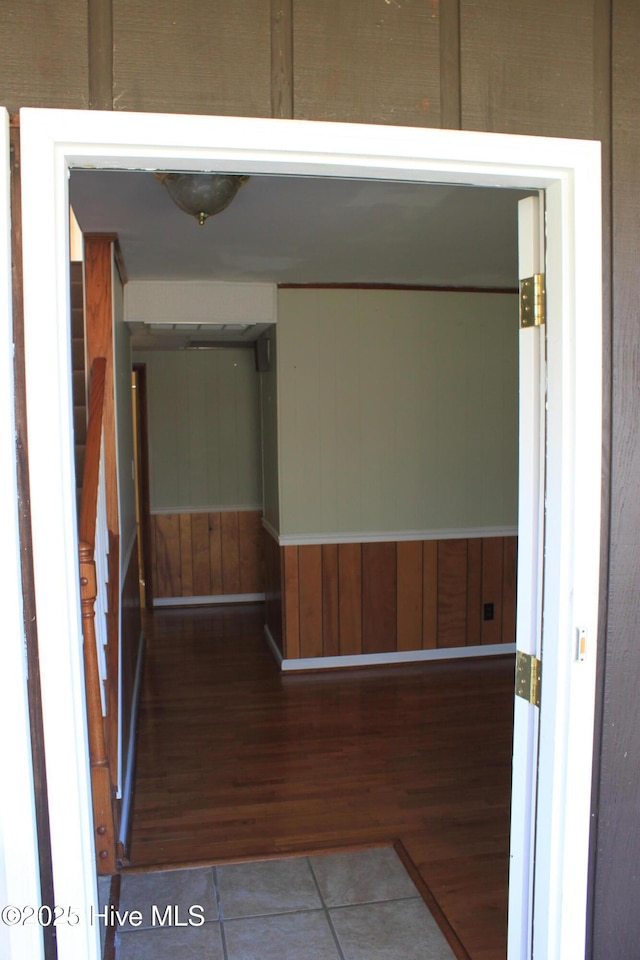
[[77, 322], [79, 389], [77, 354], [80, 424], [79, 452]]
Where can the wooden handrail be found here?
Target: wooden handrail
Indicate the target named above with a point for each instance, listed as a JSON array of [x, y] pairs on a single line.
[[100, 775]]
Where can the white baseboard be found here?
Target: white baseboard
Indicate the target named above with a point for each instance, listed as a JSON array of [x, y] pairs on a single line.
[[401, 656], [208, 601], [275, 649]]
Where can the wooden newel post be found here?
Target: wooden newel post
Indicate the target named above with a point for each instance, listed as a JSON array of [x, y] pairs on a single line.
[[100, 777]]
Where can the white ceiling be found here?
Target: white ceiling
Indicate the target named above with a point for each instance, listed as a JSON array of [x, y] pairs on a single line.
[[309, 230]]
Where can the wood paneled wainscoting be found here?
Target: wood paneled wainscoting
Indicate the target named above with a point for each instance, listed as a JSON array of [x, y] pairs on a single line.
[[356, 599], [207, 556]]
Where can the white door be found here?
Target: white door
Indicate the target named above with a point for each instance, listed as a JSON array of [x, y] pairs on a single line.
[[19, 877], [532, 392]]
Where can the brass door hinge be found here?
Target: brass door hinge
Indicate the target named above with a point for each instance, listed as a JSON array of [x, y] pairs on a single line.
[[532, 301], [528, 677]]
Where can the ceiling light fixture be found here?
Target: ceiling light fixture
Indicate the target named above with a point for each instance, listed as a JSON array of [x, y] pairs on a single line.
[[202, 194]]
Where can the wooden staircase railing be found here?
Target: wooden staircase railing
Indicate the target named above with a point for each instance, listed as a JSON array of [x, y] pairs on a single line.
[[101, 782]]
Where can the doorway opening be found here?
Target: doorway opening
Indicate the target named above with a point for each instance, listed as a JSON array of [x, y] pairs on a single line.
[[570, 174]]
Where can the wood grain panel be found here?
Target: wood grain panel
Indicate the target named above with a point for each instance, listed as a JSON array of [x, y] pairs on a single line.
[[207, 554], [474, 592], [616, 840], [250, 547], [230, 552], [43, 54], [186, 559], [330, 610], [215, 553], [409, 593], [379, 588], [430, 594], [509, 584], [492, 551], [167, 566], [452, 593], [200, 554], [219, 56], [310, 594], [291, 603], [526, 70], [350, 597], [367, 63]]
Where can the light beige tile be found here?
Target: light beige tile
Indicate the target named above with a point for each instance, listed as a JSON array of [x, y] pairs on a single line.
[[266, 886], [361, 876], [291, 936], [171, 943], [180, 889], [396, 930]]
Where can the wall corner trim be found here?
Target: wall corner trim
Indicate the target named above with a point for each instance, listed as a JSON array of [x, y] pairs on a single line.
[[273, 646]]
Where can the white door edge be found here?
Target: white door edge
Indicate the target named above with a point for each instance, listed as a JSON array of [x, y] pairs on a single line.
[[531, 469], [569, 171], [19, 870]]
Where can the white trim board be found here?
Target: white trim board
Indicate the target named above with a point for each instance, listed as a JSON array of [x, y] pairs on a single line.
[[273, 646], [391, 536], [397, 536], [208, 601], [54, 141], [400, 656]]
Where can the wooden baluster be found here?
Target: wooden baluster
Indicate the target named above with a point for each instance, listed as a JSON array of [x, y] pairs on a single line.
[[100, 777]]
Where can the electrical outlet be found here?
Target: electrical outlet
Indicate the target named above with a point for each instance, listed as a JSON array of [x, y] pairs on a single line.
[[488, 611]]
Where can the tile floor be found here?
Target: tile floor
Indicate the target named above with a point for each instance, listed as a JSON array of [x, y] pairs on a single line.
[[356, 905]]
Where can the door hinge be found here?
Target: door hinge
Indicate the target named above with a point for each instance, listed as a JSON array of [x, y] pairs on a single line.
[[532, 301], [528, 677]]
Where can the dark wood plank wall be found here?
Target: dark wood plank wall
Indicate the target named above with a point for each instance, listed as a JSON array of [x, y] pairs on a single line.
[[495, 65], [616, 930], [361, 598], [207, 554]]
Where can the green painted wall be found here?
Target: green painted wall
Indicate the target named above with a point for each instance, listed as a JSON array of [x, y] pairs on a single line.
[[397, 411], [204, 428]]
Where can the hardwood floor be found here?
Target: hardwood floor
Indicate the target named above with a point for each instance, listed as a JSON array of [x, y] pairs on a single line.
[[237, 760]]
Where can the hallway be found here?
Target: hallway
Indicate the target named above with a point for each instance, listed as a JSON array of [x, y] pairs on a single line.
[[237, 761]]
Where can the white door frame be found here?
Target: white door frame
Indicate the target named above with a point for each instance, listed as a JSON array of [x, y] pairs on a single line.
[[19, 879], [53, 141]]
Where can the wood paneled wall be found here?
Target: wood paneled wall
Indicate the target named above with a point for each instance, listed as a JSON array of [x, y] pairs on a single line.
[[363, 598], [207, 554]]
